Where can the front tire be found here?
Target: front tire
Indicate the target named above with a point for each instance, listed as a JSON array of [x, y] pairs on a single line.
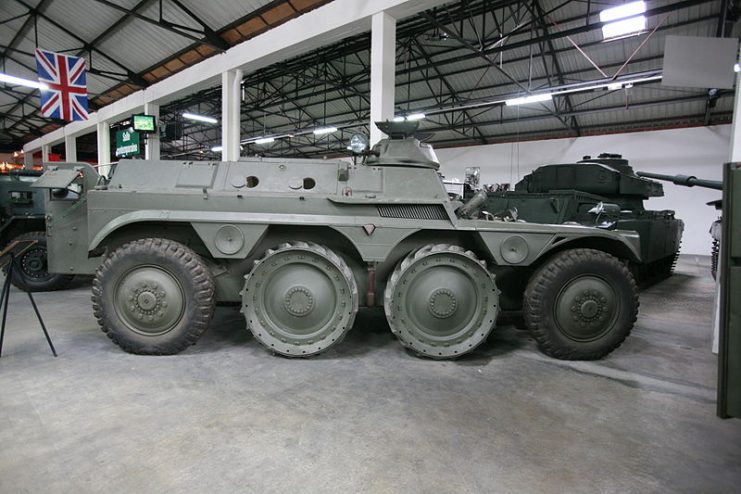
[[153, 297], [580, 305], [31, 273]]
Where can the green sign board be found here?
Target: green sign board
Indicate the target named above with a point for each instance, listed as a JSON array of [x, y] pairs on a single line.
[[127, 143]]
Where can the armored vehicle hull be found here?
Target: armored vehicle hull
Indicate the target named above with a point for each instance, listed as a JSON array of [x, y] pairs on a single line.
[[579, 192], [302, 244], [22, 218]]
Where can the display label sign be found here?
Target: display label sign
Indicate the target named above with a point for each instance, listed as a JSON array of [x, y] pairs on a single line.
[[127, 143]]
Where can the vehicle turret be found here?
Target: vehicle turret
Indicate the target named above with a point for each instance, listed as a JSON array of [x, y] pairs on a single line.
[[609, 176]]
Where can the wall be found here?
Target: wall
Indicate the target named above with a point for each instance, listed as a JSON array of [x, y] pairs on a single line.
[[698, 151]]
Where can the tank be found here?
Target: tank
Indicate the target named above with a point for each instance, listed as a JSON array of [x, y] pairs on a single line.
[[603, 192], [301, 244], [22, 218], [715, 228]]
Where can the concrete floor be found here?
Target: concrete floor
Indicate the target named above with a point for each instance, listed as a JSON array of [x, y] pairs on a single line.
[[226, 416]]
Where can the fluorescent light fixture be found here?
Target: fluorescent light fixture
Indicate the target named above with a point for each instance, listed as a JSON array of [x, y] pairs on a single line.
[[324, 130], [265, 140], [217, 149], [17, 81], [200, 118], [533, 98], [399, 118], [416, 116], [617, 24], [622, 11], [736, 67], [615, 86]]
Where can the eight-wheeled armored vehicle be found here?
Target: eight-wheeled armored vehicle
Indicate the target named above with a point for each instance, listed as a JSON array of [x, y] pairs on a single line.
[[22, 218], [603, 192], [301, 244]]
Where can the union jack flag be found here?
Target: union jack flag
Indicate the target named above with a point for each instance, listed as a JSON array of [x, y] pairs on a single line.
[[66, 78]]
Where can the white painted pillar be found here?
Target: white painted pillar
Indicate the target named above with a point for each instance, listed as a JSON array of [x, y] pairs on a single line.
[[104, 147], [45, 149], [152, 148], [231, 99], [383, 72], [28, 159], [70, 148]]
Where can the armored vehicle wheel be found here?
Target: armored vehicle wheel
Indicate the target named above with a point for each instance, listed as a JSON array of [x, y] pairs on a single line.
[[581, 304], [153, 297], [300, 299], [33, 275], [441, 301]]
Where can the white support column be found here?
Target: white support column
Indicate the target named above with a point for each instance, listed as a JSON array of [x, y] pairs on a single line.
[[104, 147], [231, 98], [383, 72], [45, 149], [28, 159], [152, 149], [70, 148]]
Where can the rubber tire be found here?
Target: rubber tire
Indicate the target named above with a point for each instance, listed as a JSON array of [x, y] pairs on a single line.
[[546, 283], [48, 284], [181, 262]]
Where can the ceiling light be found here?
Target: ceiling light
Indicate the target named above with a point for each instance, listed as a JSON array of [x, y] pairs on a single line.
[[615, 86], [399, 118], [533, 98], [265, 140], [217, 149], [617, 24], [324, 130], [200, 118], [736, 67], [416, 116], [17, 81]]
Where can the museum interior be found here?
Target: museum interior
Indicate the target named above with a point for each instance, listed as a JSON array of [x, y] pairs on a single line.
[[370, 246]]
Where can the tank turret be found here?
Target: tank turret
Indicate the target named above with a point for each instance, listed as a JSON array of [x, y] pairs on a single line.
[[609, 176]]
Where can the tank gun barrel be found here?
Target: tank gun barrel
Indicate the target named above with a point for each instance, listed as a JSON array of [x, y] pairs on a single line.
[[684, 180]]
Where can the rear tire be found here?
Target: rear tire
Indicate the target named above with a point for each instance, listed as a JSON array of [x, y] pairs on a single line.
[[153, 297], [580, 305], [31, 273]]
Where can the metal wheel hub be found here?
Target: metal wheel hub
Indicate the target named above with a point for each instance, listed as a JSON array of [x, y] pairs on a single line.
[[586, 308], [33, 263], [150, 300], [443, 303], [299, 301]]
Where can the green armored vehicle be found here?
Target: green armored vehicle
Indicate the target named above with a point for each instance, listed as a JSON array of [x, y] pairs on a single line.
[[603, 192], [22, 218], [301, 244], [715, 228]]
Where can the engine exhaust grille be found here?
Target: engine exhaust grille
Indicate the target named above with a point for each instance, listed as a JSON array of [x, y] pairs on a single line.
[[413, 211]]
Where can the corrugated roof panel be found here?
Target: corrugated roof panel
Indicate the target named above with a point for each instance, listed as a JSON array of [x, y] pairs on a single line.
[[228, 11], [97, 17], [142, 45]]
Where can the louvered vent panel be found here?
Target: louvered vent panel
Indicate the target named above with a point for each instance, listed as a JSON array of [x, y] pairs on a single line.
[[413, 211]]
